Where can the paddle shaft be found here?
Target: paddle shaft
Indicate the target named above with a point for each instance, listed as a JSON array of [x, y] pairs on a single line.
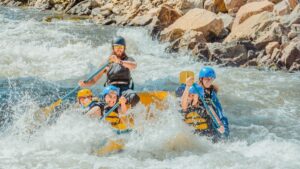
[[111, 110], [206, 106], [89, 78]]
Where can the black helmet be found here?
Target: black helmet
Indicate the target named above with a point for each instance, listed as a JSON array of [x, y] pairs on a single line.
[[118, 40]]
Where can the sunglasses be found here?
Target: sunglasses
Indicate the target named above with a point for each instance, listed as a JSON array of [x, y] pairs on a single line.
[[119, 47]]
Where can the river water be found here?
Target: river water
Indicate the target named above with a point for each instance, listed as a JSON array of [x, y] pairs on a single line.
[[41, 61]]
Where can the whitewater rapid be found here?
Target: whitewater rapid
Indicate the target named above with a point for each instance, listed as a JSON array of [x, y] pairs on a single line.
[[41, 61]]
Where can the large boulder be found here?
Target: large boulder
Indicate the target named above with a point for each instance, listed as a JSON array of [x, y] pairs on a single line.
[[234, 53], [198, 20], [250, 9], [273, 32], [261, 29], [164, 16], [190, 39]]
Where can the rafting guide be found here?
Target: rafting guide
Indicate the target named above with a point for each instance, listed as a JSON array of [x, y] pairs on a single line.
[[118, 71]]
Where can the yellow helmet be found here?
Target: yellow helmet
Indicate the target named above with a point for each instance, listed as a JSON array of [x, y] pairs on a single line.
[[84, 93]]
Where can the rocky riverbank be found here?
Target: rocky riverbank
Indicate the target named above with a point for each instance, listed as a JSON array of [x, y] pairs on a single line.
[[262, 33]]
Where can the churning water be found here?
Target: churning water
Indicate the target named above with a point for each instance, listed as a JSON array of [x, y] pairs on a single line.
[[41, 61]]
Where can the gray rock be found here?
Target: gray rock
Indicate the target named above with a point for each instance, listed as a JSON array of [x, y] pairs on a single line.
[[83, 8], [293, 18], [96, 11]]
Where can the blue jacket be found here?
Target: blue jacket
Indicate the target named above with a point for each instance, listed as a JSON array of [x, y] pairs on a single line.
[[216, 103]]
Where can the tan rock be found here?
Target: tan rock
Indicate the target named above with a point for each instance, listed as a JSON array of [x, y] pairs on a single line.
[[100, 2], [162, 18], [145, 19], [199, 20], [108, 6], [268, 33], [261, 28], [234, 5], [172, 35], [271, 46], [275, 55], [184, 4], [293, 3], [215, 6], [251, 9], [141, 20], [210, 6], [190, 39]]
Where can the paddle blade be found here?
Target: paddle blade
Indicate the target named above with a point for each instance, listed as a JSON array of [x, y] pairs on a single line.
[[49, 109], [156, 97], [184, 75]]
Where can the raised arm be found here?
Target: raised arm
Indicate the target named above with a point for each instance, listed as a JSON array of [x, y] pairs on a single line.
[[95, 112], [185, 95], [81, 83]]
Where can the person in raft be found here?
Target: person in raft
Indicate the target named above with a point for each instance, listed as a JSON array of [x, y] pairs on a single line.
[[91, 105], [96, 108], [119, 121], [194, 111], [118, 72]]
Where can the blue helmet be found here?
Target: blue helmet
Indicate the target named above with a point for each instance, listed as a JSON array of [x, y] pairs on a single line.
[[207, 72], [118, 40], [192, 90], [110, 88]]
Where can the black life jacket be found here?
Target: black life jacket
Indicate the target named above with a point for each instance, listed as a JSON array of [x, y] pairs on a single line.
[[117, 72]]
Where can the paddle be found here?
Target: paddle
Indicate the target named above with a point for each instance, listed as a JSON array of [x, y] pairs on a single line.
[[111, 110], [207, 107], [184, 75], [182, 79], [49, 109]]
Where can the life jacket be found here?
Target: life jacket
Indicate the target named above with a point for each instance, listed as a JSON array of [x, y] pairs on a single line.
[[120, 124], [95, 102], [198, 119], [117, 72]]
